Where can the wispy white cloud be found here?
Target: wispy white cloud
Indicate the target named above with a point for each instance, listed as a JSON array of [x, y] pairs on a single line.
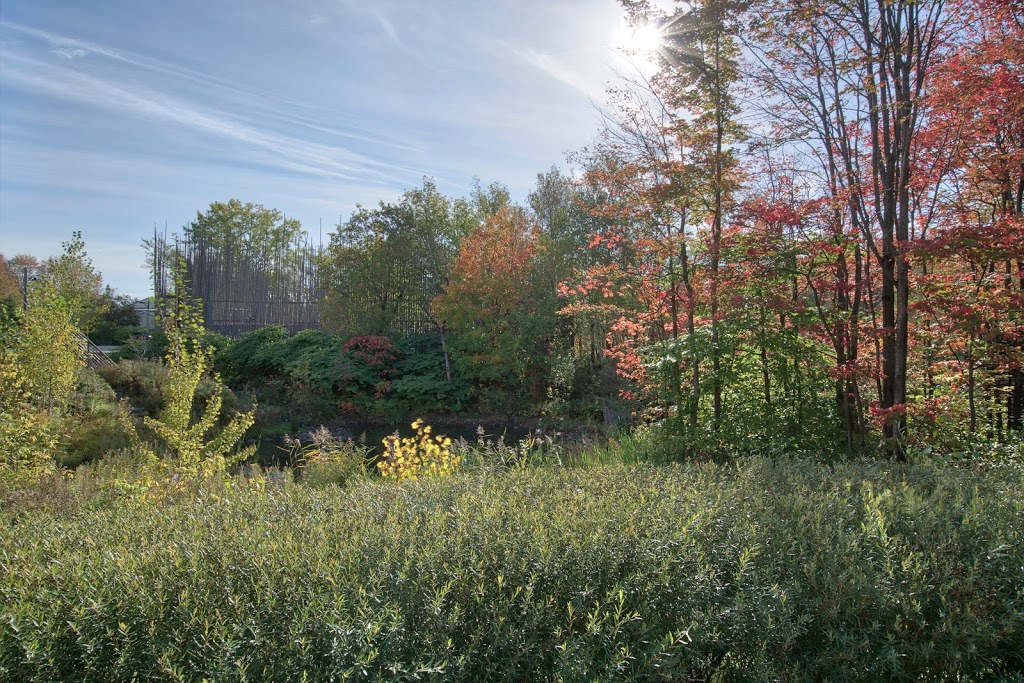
[[107, 131], [70, 52], [386, 25], [393, 139], [554, 69], [265, 105], [378, 16], [276, 107], [288, 152], [65, 46], [61, 44]]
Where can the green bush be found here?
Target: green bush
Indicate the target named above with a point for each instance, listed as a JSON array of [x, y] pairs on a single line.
[[92, 393], [108, 333], [244, 358], [144, 384], [420, 385], [773, 571], [297, 373], [91, 436], [331, 461]]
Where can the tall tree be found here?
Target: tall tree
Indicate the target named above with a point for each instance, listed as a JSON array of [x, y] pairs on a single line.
[[251, 266], [384, 266], [491, 303], [972, 264], [669, 168], [10, 285], [77, 282], [855, 74], [699, 77], [46, 347]]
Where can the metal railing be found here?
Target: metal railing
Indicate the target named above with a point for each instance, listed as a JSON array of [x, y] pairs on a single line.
[[94, 356]]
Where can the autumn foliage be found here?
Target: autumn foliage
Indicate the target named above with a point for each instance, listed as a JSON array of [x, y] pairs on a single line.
[[839, 251], [489, 299]]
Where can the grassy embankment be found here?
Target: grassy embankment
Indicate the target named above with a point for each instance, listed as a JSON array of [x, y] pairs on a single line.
[[767, 571]]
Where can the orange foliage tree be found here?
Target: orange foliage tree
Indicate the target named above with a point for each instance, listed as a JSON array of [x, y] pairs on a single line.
[[490, 302]]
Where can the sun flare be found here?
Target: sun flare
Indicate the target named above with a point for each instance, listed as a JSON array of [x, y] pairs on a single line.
[[644, 39]]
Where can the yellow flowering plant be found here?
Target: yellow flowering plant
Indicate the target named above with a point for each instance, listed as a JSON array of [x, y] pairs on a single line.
[[417, 456]]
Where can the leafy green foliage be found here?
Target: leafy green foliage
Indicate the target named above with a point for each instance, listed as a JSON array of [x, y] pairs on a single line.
[[144, 385], [10, 287], [91, 429], [246, 357], [117, 322], [775, 571], [299, 371], [190, 443], [78, 284], [385, 265], [315, 375], [27, 439], [494, 308], [270, 351], [46, 348], [331, 461], [420, 384]]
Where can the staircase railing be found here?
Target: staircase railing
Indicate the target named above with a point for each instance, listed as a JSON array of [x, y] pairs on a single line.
[[94, 356]]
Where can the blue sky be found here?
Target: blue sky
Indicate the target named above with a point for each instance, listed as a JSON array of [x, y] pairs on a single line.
[[116, 115]]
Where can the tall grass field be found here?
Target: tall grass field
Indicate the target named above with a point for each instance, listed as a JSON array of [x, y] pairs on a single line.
[[767, 571]]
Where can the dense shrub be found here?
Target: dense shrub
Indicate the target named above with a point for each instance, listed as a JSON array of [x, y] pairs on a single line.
[[774, 571], [330, 461], [144, 384], [107, 333], [27, 436], [421, 384], [299, 373], [271, 352], [154, 346], [366, 367], [313, 376], [92, 393], [91, 436]]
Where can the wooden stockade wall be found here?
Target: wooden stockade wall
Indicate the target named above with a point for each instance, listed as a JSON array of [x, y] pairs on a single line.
[[242, 292], [246, 286], [249, 287]]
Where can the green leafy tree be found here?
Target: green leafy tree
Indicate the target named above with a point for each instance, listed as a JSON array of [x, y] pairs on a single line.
[[47, 348], [27, 440], [489, 201], [77, 282], [493, 306], [250, 265], [118, 321], [251, 231], [195, 445], [10, 285], [39, 357], [384, 266]]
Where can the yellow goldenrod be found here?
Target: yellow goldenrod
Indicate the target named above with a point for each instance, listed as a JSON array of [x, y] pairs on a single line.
[[420, 455]]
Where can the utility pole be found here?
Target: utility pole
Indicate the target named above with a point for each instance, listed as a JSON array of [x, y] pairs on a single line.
[[24, 289]]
